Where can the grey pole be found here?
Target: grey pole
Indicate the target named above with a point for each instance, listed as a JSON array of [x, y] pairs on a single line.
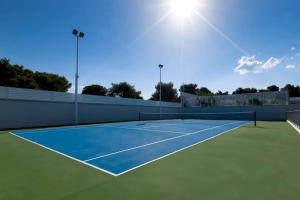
[[78, 35], [160, 92], [160, 67], [182, 100], [76, 84]]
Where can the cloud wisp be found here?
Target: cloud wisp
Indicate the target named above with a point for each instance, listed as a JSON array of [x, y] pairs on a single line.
[[253, 65], [290, 66]]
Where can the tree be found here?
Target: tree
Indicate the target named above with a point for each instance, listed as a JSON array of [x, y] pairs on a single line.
[[294, 91], [245, 90], [51, 82], [124, 90], [189, 88], [168, 92], [221, 93], [203, 91], [273, 88], [26, 78], [8, 75], [263, 90], [95, 90], [18, 76]]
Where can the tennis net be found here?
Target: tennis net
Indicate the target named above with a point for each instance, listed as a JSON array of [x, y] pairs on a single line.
[[294, 117], [241, 116]]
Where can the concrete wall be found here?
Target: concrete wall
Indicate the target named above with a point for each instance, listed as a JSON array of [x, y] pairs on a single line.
[[22, 114], [265, 113], [22, 108], [295, 100]]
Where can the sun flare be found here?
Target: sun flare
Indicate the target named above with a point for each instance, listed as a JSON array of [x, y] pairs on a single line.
[[183, 8]]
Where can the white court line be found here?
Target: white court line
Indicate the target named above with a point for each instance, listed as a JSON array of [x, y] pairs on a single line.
[[143, 129], [294, 126], [114, 174], [96, 126], [179, 150], [184, 122], [157, 142], [157, 126], [65, 155]]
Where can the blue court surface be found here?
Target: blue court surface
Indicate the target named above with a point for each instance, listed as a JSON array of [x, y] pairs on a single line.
[[117, 148]]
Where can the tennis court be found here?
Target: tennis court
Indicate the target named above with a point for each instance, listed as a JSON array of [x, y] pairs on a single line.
[[117, 148]]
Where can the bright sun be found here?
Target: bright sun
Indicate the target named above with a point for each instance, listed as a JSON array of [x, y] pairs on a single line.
[[183, 8]]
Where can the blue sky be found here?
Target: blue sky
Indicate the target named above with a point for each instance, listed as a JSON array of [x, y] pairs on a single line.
[[220, 44]]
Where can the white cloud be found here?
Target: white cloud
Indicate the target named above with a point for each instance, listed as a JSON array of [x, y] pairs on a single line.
[[290, 66], [253, 65], [271, 63], [293, 48], [247, 64]]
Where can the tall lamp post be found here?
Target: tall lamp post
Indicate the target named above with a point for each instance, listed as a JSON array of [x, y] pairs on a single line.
[[78, 35], [160, 67], [182, 99]]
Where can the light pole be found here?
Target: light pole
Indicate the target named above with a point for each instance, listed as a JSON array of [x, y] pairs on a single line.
[[160, 67], [78, 35], [182, 100]]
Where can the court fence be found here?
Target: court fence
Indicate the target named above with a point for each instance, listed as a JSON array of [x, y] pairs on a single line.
[[250, 99]]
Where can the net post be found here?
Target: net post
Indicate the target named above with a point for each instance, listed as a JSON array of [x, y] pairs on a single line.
[[254, 116], [139, 116]]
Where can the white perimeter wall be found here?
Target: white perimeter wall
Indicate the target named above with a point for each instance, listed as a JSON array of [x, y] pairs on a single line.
[[22, 108]]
